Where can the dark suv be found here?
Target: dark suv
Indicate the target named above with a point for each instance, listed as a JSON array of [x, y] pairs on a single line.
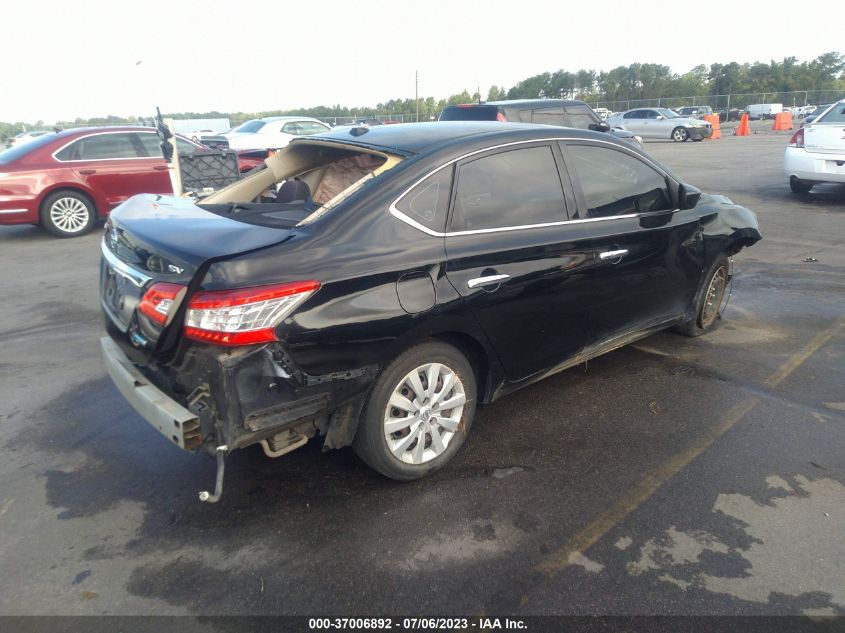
[[562, 112]]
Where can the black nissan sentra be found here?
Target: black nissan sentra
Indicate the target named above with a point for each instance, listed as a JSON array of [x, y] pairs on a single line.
[[371, 286]]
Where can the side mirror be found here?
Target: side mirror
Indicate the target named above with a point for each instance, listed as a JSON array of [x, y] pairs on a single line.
[[599, 127], [688, 196], [659, 117]]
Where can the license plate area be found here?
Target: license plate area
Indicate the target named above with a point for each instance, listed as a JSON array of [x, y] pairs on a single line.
[[834, 166], [121, 289]]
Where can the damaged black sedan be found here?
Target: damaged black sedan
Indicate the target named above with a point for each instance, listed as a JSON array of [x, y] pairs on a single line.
[[373, 285]]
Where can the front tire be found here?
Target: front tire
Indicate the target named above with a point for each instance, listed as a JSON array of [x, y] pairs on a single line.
[[680, 134], [68, 214], [709, 302], [800, 186], [418, 413]]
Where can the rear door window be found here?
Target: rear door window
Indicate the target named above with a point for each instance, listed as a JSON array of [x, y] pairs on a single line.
[[519, 187], [613, 182], [109, 146], [549, 116], [310, 127]]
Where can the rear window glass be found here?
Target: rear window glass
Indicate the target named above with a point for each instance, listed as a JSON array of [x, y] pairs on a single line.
[[428, 202], [513, 188], [469, 113], [17, 151], [249, 126], [835, 115]]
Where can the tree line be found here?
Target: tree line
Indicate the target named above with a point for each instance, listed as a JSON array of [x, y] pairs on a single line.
[[634, 82]]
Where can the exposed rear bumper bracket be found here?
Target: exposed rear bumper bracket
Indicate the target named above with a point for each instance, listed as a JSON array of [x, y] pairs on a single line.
[[166, 415]]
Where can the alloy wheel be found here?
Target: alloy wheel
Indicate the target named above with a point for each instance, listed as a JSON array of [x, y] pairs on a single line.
[[680, 135], [69, 215]]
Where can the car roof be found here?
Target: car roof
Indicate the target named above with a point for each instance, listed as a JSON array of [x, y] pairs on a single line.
[[537, 102], [416, 138], [91, 129], [267, 119]]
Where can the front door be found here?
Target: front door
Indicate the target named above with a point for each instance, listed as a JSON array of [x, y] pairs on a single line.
[[648, 255]]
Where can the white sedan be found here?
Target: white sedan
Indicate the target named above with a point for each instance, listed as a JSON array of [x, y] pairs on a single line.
[[816, 152], [272, 132], [25, 137]]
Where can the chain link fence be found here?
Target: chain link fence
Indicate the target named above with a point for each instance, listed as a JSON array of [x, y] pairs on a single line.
[[795, 99], [376, 119]]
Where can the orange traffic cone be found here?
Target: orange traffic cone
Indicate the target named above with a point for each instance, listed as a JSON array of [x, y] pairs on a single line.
[[743, 129], [783, 121], [713, 119]]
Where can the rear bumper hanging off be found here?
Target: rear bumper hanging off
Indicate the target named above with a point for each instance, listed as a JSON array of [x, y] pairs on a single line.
[[166, 415]]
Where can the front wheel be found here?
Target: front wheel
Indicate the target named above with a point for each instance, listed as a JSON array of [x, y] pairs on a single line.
[[419, 412], [680, 134], [709, 303], [800, 186], [67, 214]]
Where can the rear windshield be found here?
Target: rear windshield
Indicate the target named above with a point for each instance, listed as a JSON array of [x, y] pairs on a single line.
[[469, 113], [835, 115], [249, 127], [17, 151]]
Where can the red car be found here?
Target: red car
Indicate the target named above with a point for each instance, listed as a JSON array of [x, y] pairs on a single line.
[[65, 181]]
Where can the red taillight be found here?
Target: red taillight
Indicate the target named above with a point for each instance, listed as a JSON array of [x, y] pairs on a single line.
[[797, 139], [158, 300], [244, 316]]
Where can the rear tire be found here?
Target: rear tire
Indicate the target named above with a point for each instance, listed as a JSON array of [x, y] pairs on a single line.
[[709, 300], [800, 186], [405, 432], [68, 213]]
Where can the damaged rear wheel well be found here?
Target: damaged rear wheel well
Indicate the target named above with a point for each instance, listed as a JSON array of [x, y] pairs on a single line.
[[477, 357]]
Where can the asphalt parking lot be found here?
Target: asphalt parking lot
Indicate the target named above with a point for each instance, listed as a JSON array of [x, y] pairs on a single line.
[[674, 476]]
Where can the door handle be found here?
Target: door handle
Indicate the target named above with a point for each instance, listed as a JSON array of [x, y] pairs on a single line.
[[160, 167], [87, 172], [611, 255], [489, 280]]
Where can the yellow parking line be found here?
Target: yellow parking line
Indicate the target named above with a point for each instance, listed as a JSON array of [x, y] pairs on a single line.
[[591, 534]]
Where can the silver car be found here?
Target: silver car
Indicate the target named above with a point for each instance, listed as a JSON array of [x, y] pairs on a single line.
[[661, 123]]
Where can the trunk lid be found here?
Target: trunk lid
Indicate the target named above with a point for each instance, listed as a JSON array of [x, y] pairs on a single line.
[[825, 138], [153, 238]]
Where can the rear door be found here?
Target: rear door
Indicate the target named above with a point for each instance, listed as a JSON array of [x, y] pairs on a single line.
[[651, 126], [648, 254], [634, 121], [115, 166], [515, 257]]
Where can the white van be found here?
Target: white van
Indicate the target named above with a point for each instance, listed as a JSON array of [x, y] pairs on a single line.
[[764, 110]]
